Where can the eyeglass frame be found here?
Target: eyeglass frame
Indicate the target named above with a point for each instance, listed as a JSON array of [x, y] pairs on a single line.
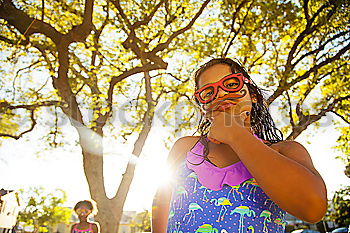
[[220, 84], [80, 210]]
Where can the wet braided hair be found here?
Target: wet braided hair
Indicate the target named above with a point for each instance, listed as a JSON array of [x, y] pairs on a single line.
[[262, 123], [90, 204]]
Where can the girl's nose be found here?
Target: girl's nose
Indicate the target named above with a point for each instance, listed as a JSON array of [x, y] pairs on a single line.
[[221, 92]]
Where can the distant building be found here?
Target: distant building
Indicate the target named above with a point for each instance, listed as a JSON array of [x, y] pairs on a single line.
[[294, 223], [9, 207], [124, 225]]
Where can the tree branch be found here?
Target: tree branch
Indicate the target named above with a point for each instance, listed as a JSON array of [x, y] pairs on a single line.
[[91, 81], [320, 48], [307, 31], [148, 67], [66, 7], [126, 74], [25, 24], [147, 18], [342, 117], [162, 46], [291, 120], [228, 44], [286, 86], [33, 123], [140, 141], [80, 32], [116, 3], [306, 11], [321, 64], [306, 120], [34, 106], [8, 41]]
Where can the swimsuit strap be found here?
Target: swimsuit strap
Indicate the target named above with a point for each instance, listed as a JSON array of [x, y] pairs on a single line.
[[198, 148]]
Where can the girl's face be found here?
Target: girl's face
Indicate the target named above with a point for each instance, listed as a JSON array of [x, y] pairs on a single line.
[[83, 211], [237, 100]]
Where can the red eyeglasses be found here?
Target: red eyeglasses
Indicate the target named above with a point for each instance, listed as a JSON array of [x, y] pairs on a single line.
[[229, 83], [83, 211]]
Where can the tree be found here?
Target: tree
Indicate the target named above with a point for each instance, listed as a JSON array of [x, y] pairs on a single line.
[[91, 71], [7, 122], [43, 208], [108, 56], [340, 211]]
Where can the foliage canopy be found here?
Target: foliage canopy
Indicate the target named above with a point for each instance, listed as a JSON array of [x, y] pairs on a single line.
[[112, 67]]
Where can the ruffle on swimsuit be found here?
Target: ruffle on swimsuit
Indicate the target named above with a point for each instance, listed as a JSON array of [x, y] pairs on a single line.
[[213, 177]]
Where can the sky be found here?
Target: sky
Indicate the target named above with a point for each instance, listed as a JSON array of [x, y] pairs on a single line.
[[26, 162]]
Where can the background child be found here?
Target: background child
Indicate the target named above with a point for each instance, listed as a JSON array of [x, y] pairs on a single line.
[[238, 175], [84, 209]]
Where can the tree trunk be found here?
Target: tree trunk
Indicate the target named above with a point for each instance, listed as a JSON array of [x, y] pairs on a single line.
[[109, 212], [109, 216]]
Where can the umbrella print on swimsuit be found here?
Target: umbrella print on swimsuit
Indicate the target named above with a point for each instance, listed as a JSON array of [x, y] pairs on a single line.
[[195, 177], [243, 210], [267, 219], [206, 190], [223, 202], [191, 212]]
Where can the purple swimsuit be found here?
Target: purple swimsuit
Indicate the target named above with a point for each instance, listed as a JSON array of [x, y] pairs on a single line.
[[207, 198], [89, 230]]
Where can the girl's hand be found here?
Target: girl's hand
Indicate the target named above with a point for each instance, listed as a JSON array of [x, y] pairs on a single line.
[[224, 124]]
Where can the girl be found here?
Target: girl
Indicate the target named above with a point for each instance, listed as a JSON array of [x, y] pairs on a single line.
[[83, 209], [239, 175]]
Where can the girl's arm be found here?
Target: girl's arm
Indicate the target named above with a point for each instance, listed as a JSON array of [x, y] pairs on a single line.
[[161, 201], [71, 229], [285, 173], [160, 210], [95, 228]]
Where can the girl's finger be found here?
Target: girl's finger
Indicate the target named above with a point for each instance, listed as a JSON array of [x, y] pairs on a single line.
[[211, 114], [244, 115], [214, 140]]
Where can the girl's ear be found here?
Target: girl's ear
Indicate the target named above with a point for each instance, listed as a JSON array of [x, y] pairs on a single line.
[[254, 99]]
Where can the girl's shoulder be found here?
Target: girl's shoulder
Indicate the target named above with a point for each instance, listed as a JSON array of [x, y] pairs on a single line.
[[180, 148], [295, 151], [95, 227], [288, 146], [185, 142], [73, 226], [94, 224]]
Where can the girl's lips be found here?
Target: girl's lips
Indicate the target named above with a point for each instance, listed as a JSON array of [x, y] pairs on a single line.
[[222, 106], [225, 105]]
